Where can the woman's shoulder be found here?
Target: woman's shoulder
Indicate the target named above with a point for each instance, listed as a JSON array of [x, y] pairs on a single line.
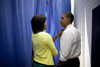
[[45, 34]]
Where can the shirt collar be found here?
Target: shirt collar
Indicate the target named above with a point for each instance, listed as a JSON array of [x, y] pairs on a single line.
[[68, 26]]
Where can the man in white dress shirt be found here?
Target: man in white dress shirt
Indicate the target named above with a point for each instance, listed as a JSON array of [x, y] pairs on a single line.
[[70, 42]]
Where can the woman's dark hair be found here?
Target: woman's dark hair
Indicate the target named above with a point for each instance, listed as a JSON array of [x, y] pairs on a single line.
[[37, 23], [69, 15]]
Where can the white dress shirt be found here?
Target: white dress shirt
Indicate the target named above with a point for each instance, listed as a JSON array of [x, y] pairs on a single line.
[[70, 43]]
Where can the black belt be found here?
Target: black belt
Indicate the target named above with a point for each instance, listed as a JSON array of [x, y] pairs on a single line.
[[73, 58]]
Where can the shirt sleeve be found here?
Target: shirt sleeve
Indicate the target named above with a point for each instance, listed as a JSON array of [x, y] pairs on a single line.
[[51, 46], [66, 44]]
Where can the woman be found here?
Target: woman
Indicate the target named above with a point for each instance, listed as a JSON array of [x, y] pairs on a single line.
[[44, 48]]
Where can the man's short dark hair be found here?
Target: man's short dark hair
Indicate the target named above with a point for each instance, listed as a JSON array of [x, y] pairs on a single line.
[[37, 23], [69, 15]]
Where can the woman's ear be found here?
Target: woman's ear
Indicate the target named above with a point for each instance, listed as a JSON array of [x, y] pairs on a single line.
[[45, 27]]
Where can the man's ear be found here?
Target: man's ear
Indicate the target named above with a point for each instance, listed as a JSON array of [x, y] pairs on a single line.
[[69, 19]]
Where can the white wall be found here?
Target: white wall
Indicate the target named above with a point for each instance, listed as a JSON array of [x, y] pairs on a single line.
[[83, 21]]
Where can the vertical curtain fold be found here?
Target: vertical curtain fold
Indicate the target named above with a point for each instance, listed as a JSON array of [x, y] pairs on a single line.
[[15, 34]]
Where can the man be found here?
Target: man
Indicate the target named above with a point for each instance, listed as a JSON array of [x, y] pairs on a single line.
[[70, 42]]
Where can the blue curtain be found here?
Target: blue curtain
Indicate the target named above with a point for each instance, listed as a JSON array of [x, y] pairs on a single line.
[[15, 28], [15, 33]]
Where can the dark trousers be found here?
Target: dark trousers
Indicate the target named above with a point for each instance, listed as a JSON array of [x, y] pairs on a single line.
[[70, 63]]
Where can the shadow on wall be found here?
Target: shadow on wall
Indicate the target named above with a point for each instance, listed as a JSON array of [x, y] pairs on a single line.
[[95, 56]]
